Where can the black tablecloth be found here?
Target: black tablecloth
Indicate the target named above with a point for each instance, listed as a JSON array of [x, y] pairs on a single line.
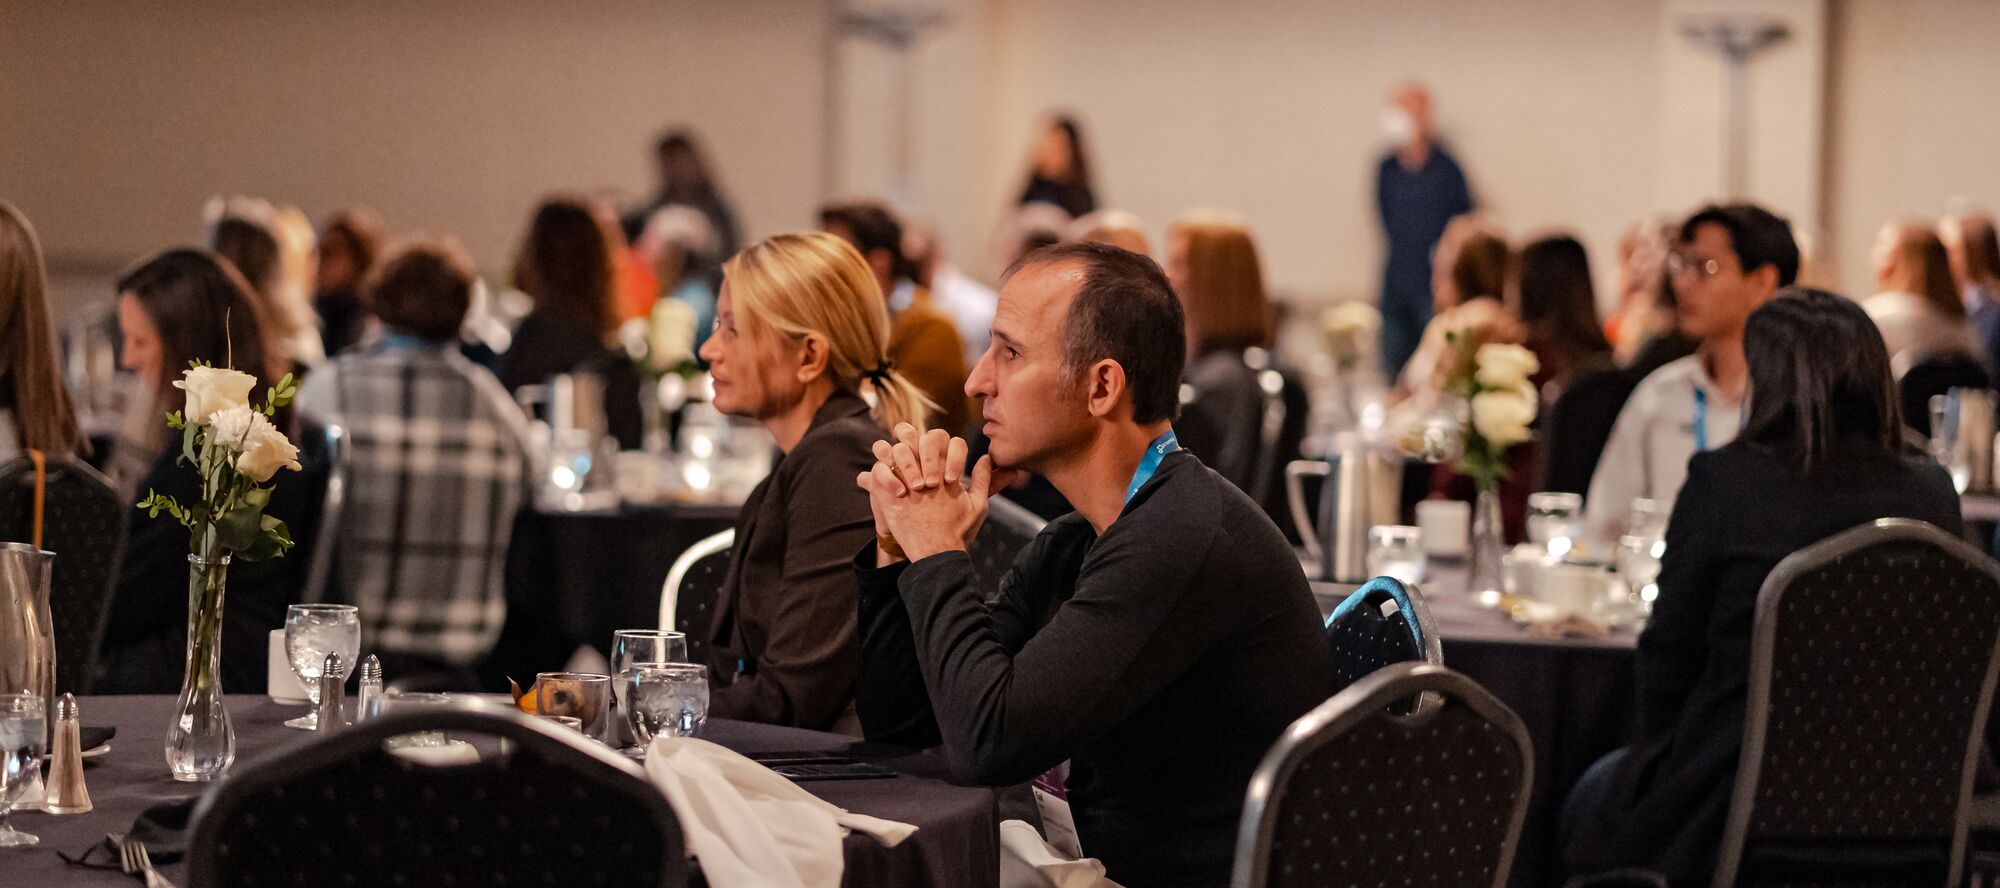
[[1575, 695], [956, 843], [574, 578]]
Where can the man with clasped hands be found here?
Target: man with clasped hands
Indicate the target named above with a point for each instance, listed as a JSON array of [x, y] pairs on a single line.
[[1159, 638]]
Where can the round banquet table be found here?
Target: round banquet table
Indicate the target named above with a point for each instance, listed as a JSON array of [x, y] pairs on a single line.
[[956, 844], [1575, 694]]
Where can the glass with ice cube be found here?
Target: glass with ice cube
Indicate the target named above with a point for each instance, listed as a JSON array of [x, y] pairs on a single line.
[[311, 632], [24, 730], [667, 699]]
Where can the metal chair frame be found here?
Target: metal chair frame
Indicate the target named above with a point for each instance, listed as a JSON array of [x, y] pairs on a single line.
[[1763, 649], [670, 591], [1366, 700]]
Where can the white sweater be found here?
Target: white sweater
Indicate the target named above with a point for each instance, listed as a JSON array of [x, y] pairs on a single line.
[[1651, 443]]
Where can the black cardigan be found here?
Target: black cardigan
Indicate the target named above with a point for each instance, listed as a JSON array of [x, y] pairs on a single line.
[[1741, 511], [1161, 659]]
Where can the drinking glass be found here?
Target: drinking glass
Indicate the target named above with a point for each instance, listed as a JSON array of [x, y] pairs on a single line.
[[1555, 520], [311, 632], [669, 700], [401, 701], [1397, 551], [1649, 518], [1639, 567], [648, 647], [585, 696], [24, 728]]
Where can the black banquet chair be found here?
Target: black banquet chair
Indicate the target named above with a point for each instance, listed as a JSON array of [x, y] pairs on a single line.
[[687, 598], [1936, 375], [1009, 528], [1353, 794], [1873, 661], [83, 523], [548, 808], [1383, 622]]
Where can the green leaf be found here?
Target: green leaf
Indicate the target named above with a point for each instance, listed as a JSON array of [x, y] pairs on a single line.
[[238, 529], [190, 432], [273, 542], [176, 421]]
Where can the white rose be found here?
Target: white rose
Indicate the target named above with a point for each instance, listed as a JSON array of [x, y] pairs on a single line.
[[1502, 417], [1504, 366], [261, 450], [670, 337], [1350, 317], [212, 389]]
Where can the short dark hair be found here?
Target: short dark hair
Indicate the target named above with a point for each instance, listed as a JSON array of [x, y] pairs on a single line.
[[1126, 311], [1758, 236], [872, 228], [424, 288], [1819, 373]]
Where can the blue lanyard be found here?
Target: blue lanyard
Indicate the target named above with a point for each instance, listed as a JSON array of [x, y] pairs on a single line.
[[1164, 444], [1700, 420]]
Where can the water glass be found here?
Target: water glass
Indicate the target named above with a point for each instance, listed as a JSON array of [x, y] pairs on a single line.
[[311, 632], [1649, 518], [24, 730], [1639, 566], [1397, 551], [401, 701], [669, 700], [585, 696], [650, 647], [1555, 521]]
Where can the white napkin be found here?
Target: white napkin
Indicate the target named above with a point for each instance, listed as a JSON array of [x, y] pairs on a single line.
[[1027, 861], [751, 827]]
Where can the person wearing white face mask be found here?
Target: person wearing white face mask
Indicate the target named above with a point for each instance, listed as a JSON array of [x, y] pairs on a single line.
[[1418, 189]]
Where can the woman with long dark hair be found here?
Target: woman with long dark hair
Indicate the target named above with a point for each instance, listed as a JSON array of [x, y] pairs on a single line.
[[1821, 451], [1557, 307], [179, 306], [1059, 169], [568, 266]]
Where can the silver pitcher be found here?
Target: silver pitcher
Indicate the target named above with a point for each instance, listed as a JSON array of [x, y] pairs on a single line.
[[1364, 488], [1962, 430], [27, 632]]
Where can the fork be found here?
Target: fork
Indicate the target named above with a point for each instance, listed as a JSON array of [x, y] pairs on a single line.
[[132, 856]]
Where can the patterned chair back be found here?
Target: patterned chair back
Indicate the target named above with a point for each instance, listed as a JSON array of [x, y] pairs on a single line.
[[1872, 671], [83, 522], [1383, 622], [1009, 528], [1354, 794], [687, 599], [549, 808]]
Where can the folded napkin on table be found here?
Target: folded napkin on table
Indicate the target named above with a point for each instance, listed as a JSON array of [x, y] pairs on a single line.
[[163, 827], [749, 825]]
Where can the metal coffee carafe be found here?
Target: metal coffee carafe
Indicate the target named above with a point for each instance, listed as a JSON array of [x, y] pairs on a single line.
[[1962, 437], [1363, 488], [27, 632]]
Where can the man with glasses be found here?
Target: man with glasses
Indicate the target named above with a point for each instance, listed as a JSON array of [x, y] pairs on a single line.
[[1729, 260]]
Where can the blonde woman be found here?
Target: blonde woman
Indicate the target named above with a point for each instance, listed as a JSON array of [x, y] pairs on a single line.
[[801, 346]]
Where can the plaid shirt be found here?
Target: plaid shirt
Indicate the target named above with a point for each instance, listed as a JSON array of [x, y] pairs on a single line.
[[437, 462]]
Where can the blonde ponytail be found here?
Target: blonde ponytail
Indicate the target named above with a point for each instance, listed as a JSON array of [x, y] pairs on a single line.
[[814, 282]]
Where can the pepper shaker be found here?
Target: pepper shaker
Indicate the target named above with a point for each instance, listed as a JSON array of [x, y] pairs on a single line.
[[66, 792], [332, 686], [368, 693]]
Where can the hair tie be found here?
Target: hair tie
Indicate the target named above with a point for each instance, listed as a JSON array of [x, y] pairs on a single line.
[[881, 372]]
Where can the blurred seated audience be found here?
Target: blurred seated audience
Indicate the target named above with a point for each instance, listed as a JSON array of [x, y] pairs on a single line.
[[1974, 252], [685, 180], [245, 231], [1729, 260], [35, 408], [1059, 169], [803, 336], [566, 265], [1166, 593], [672, 248], [1921, 310], [967, 302], [923, 345], [1821, 452], [436, 466], [178, 306], [1115, 227], [347, 249], [1579, 383]]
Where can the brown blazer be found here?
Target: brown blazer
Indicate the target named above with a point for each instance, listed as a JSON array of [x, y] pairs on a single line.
[[783, 648], [925, 347]]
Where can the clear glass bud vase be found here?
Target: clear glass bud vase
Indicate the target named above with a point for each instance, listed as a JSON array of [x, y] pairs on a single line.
[[201, 743], [1485, 579]]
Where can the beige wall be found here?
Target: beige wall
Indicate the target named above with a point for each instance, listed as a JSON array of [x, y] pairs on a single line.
[[117, 118]]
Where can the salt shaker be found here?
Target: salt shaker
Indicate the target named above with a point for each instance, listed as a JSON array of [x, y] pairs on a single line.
[[66, 792], [368, 696], [332, 685]]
